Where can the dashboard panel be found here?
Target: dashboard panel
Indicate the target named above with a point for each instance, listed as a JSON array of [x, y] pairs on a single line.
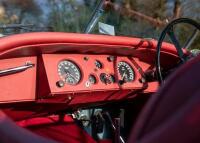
[[75, 73]]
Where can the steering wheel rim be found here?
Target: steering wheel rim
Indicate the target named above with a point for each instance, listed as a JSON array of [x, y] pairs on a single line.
[[169, 30]]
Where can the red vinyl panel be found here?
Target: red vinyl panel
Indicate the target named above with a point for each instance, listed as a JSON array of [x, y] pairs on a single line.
[[51, 42], [21, 86]]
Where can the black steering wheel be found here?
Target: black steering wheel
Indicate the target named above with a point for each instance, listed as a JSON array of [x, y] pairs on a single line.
[[169, 29]]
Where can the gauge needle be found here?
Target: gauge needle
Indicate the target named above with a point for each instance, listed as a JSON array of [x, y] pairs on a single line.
[[73, 76], [123, 76], [68, 73]]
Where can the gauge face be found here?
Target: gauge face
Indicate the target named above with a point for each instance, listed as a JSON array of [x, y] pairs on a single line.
[[126, 71], [69, 72]]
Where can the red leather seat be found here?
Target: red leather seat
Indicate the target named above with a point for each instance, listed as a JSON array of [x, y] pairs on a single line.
[[172, 115], [43, 130]]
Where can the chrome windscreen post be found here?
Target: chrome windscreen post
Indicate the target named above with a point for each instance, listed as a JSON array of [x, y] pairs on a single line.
[[98, 12]]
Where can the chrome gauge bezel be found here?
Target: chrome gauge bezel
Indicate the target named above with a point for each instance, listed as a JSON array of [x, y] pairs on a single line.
[[69, 72]]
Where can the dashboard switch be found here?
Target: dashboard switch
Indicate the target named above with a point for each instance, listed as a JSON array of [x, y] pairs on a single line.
[[92, 79], [98, 64], [60, 83], [111, 58], [112, 78], [103, 78], [86, 58]]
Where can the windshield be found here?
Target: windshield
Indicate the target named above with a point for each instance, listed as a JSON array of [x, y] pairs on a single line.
[[138, 18]]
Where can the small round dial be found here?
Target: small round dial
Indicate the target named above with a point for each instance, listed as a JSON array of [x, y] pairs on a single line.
[[107, 78], [69, 72], [92, 79], [126, 71], [98, 64]]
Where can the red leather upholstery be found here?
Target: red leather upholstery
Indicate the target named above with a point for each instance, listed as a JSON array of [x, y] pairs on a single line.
[[172, 115], [50, 129], [65, 130]]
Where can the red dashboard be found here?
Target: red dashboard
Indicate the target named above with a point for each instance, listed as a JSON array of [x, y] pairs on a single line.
[[73, 78], [77, 69], [67, 76], [93, 73]]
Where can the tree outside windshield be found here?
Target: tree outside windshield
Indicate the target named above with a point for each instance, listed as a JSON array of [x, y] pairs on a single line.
[[137, 18]]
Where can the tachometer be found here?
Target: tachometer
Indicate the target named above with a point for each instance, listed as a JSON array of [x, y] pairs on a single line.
[[126, 71], [69, 72]]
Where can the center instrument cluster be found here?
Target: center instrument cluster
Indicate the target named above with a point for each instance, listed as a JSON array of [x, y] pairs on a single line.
[[87, 73]]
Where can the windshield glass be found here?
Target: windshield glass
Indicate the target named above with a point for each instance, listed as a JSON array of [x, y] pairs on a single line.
[[138, 18]]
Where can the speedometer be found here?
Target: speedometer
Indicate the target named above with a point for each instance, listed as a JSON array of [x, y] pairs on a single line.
[[126, 71], [69, 72]]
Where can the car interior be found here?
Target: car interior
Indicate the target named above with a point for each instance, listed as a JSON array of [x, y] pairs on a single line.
[[87, 88]]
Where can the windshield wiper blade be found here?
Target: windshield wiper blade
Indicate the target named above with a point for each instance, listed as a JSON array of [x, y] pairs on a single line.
[[9, 29], [13, 26]]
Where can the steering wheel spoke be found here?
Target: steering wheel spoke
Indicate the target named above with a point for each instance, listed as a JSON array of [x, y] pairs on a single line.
[[176, 44]]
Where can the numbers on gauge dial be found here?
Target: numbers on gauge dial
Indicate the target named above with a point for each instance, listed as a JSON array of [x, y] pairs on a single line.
[[126, 71], [69, 72]]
